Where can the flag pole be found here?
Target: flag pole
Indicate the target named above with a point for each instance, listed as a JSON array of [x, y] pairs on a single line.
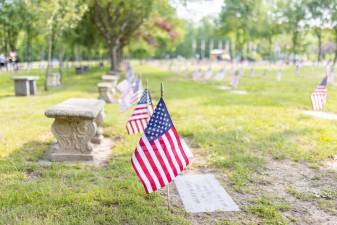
[[162, 90], [168, 186], [168, 198]]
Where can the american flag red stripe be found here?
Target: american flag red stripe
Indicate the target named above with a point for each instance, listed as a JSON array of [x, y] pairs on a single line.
[[319, 95], [159, 156], [157, 163], [141, 115]]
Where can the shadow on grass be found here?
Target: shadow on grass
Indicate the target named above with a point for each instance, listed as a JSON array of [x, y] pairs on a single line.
[[25, 158]]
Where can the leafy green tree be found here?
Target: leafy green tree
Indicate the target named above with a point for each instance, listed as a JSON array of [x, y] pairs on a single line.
[[237, 20], [117, 21], [292, 15], [10, 23], [317, 19], [56, 17]]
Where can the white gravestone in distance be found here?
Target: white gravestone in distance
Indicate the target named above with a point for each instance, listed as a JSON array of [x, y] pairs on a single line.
[[203, 193]]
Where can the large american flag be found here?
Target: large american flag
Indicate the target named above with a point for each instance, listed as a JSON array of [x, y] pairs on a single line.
[[159, 156], [318, 96], [141, 115]]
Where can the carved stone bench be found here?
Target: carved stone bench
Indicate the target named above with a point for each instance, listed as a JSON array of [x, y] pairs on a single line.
[[54, 80], [106, 92], [77, 125], [25, 86], [110, 79]]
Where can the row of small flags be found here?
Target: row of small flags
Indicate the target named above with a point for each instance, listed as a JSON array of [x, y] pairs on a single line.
[[160, 154], [318, 96], [131, 89], [199, 74]]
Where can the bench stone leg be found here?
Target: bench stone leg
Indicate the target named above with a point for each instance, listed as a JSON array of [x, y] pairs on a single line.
[[32, 87], [106, 94], [97, 139], [73, 139], [22, 88]]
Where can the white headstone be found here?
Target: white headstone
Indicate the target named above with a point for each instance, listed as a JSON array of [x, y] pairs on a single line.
[[203, 193]]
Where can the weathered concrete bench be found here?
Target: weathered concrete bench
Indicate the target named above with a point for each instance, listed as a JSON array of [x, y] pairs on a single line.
[[106, 92], [77, 125], [54, 80], [81, 69], [111, 79], [25, 86]]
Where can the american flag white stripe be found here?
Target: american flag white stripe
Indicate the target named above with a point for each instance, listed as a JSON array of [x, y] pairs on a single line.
[[319, 95], [177, 147], [155, 160], [129, 128], [144, 122], [171, 154], [148, 166], [141, 174], [157, 165], [165, 159]]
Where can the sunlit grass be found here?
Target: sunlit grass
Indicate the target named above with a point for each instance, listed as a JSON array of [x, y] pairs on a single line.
[[235, 131]]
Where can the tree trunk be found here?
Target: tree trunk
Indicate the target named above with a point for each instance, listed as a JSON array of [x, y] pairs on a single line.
[[335, 58], [294, 47], [114, 64], [319, 44], [270, 46], [49, 65], [120, 56], [61, 64], [29, 46]]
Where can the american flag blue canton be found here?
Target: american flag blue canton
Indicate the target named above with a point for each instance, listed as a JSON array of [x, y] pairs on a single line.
[[160, 122], [324, 81], [146, 98]]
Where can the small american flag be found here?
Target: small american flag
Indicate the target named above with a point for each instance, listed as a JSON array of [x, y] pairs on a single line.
[[159, 156], [137, 89], [318, 96], [235, 79], [141, 115]]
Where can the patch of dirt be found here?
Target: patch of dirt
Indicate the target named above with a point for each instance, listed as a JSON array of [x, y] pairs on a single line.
[[311, 194], [32, 175], [301, 187], [331, 164]]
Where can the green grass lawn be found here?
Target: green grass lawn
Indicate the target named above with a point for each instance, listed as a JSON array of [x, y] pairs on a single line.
[[236, 132]]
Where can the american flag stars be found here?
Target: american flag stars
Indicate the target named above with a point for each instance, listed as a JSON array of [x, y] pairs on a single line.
[[159, 123]]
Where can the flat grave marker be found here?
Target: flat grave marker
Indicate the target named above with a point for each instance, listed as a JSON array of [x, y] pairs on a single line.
[[239, 92], [224, 88], [203, 193], [321, 115]]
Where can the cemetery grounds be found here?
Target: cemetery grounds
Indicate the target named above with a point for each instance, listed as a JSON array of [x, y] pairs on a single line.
[[276, 163]]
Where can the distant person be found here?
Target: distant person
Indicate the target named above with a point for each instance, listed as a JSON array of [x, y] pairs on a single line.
[[2, 61], [13, 60]]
